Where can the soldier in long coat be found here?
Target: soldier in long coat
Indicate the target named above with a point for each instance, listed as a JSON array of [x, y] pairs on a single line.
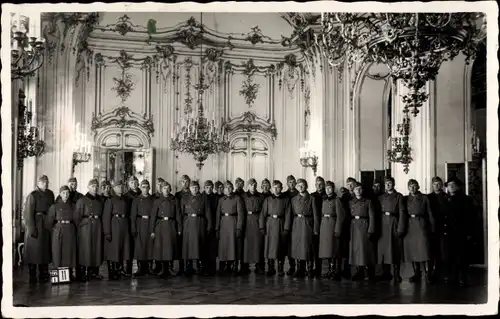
[[291, 192], [74, 195], [196, 222], [88, 211], [133, 192], [253, 239], [209, 262], [318, 196], [361, 248], [329, 225], [229, 226], [275, 222], [304, 220], [438, 200], [141, 229], [116, 228], [393, 225], [459, 219], [165, 223], [180, 195], [37, 244], [60, 221], [346, 231], [420, 227]]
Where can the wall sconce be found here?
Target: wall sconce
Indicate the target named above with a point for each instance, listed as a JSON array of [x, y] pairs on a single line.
[[308, 158], [81, 153], [475, 145], [29, 138]]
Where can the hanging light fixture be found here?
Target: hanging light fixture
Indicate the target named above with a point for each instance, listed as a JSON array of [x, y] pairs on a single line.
[[412, 45], [27, 47], [29, 138], [199, 136]]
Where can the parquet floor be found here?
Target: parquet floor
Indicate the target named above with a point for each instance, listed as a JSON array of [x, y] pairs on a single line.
[[242, 290]]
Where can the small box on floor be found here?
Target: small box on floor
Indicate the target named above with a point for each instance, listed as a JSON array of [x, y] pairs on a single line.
[[59, 275]]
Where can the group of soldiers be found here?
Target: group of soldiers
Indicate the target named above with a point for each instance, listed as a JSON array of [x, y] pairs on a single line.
[[238, 227]]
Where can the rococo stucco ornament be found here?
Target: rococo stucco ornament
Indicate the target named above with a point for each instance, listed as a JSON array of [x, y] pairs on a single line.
[[122, 117], [250, 122]]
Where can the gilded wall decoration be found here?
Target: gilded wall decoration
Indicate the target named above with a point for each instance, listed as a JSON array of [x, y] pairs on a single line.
[[122, 117], [164, 60], [304, 34], [249, 89], [188, 100], [212, 66], [290, 71], [123, 26], [250, 122]]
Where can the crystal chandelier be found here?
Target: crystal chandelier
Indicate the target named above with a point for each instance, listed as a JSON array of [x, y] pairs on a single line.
[[27, 46], [412, 45], [29, 139], [199, 136], [400, 151]]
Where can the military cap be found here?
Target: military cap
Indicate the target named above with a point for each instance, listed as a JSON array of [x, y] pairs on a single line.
[[185, 177], [165, 183], [93, 181], [117, 183], [105, 183], [330, 183], [357, 184], [160, 180], [302, 181], [72, 180], [64, 188], [265, 181], [320, 179], [277, 182], [133, 178], [290, 178], [238, 179], [208, 183], [376, 182], [218, 184], [145, 182], [437, 179], [389, 179], [195, 183], [350, 180], [412, 182], [454, 180], [228, 184], [43, 178], [343, 190], [252, 181]]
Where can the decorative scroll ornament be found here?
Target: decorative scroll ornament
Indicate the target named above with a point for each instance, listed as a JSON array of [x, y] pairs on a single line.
[[400, 151], [290, 71], [250, 122], [164, 60], [412, 45], [122, 26], [249, 89], [188, 100], [212, 66], [122, 117]]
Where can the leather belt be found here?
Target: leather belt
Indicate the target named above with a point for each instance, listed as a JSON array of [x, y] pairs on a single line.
[[143, 216], [389, 214], [91, 216], [229, 214], [166, 218], [274, 216], [119, 215], [302, 216], [41, 213], [416, 216], [360, 217], [194, 215], [329, 216], [64, 222], [251, 213]]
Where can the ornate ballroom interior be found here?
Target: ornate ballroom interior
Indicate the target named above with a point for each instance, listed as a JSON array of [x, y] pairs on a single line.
[[120, 94]]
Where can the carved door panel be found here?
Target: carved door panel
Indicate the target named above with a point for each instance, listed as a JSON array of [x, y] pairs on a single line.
[[259, 162], [239, 159], [100, 163], [249, 158]]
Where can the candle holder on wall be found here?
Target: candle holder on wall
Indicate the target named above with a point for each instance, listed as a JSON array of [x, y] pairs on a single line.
[[29, 137], [80, 157], [308, 158]]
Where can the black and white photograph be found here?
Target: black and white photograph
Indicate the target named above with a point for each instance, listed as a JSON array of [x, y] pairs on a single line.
[[250, 159]]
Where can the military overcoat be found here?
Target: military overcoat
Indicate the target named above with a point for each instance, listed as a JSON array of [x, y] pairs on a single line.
[[361, 248], [393, 222], [229, 222], [165, 223], [275, 219], [330, 227], [61, 219], [420, 227], [116, 223], [88, 211]]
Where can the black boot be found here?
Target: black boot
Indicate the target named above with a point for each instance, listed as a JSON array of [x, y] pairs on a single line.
[[416, 272], [329, 273], [245, 269], [317, 267], [117, 270], [78, 273], [189, 268], [140, 269], [181, 271], [370, 272], [85, 274], [97, 275], [291, 270], [301, 269], [310, 269], [236, 268], [360, 274], [260, 268], [158, 268], [346, 271], [427, 273], [32, 273], [338, 269], [271, 270], [396, 274], [43, 273], [128, 268], [281, 268], [386, 274], [165, 272], [112, 275], [222, 268]]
